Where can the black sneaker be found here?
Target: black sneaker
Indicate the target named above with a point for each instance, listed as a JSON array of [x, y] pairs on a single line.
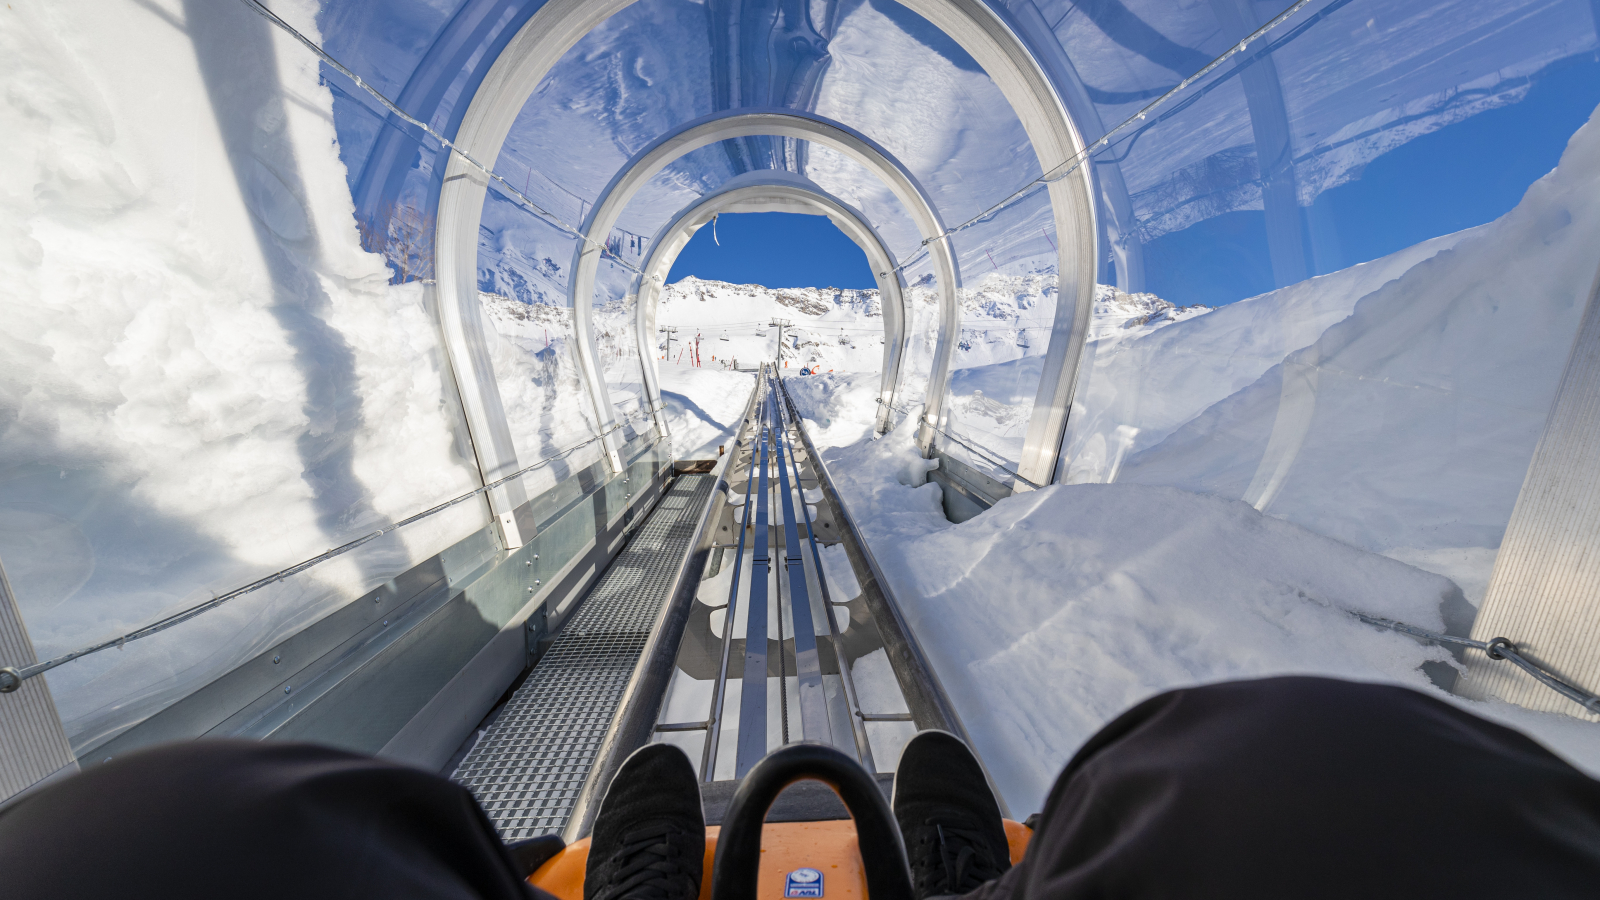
[[649, 840], [955, 837]]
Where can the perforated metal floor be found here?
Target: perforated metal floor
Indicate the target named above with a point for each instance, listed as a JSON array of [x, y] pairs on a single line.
[[529, 767]]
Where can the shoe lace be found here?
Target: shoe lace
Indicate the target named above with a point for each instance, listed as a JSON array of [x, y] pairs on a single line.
[[963, 859], [651, 865]]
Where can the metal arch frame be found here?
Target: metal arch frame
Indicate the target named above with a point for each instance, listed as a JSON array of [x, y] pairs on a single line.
[[558, 26], [775, 191], [789, 123], [1004, 56]]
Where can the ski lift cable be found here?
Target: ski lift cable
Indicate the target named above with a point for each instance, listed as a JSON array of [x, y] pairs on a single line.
[[1077, 160], [504, 185], [12, 678]]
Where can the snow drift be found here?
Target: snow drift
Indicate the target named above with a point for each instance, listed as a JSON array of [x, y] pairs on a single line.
[[203, 377], [1390, 420], [1056, 610], [1405, 427]]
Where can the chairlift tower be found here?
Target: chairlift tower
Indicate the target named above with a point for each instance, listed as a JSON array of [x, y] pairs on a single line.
[[670, 330], [781, 324]]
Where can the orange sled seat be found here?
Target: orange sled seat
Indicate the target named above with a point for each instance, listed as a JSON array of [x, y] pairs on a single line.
[[829, 847]]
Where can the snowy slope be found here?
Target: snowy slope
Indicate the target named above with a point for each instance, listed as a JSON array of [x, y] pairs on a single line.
[[1137, 384], [842, 329], [834, 328], [1406, 427], [1058, 609]]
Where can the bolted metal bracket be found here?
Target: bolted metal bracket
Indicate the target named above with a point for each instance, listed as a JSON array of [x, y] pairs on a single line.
[[535, 629]]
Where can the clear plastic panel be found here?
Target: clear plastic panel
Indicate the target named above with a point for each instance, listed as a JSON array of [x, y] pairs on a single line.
[[1008, 307], [851, 183], [616, 335], [105, 529], [385, 41], [206, 381], [908, 86], [654, 66], [1389, 297], [523, 266], [922, 336]]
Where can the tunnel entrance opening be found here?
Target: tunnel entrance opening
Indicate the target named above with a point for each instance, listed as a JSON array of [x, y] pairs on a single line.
[[774, 250]]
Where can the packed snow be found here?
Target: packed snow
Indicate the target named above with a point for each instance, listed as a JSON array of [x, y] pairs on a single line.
[[203, 377], [1430, 373], [704, 408], [1056, 610], [1404, 425]]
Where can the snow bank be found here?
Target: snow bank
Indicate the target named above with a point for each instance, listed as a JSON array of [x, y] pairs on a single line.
[[704, 408], [839, 410], [1056, 610], [1137, 384], [203, 378], [1407, 426]]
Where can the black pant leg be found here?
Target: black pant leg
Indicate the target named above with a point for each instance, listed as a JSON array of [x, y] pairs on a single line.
[[278, 821], [1309, 788]]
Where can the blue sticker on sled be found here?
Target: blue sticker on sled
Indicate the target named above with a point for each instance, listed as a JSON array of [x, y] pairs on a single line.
[[803, 883]]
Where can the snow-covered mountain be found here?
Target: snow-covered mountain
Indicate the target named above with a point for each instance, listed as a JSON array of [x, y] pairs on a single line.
[[1004, 318]]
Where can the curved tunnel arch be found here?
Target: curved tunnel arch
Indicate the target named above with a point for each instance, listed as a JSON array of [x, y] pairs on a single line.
[[775, 191], [558, 26], [708, 130]]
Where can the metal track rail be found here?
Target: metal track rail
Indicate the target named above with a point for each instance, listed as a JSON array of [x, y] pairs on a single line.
[[930, 705], [812, 662], [646, 633]]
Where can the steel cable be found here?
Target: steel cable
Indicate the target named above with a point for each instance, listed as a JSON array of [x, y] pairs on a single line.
[[1077, 160], [12, 677], [1497, 649]]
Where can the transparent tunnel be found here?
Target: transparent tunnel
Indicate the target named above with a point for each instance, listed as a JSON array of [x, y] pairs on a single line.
[[1206, 340]]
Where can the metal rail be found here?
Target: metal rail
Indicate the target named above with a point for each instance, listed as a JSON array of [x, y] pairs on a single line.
[[713, 723], [753, 702], [930, 705], [846, 677], [780, 457], [808, 664]]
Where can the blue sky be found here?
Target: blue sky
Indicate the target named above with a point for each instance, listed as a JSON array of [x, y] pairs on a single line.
[[776, 250], [1460, 176], [1463, 175]]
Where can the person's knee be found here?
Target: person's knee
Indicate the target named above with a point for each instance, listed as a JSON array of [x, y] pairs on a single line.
[[275, 819], [1278, 780]]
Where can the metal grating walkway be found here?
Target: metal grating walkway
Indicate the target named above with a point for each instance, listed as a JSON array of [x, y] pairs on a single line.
[[530, 765]]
